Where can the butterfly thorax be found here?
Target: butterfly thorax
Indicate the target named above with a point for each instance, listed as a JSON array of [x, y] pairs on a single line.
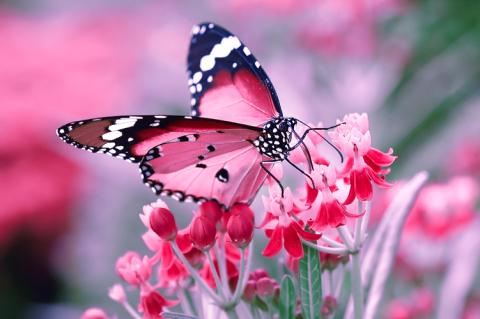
[[276, 137]]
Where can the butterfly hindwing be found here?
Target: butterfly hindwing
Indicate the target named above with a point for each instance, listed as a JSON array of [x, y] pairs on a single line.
[[225, 79], [130, 137], [216, 166]]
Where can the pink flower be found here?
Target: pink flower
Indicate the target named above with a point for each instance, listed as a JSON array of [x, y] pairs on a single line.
[[260, 284], [153, 303], [364, 163], [134, 270], [282, 230], [443, 208], [94, 313], [117, 293], [240, 225]]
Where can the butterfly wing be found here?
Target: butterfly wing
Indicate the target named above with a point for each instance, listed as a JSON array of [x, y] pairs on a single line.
[[206, 166], [226, 81], [131, 137]]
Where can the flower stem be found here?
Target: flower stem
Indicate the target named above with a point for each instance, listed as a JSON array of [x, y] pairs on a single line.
[[325, 249], [241, 282], [195, 274], [357, 290], [190, 303], [130, 310], [222, 262], [213, 269], [232, 314], [346, 236]]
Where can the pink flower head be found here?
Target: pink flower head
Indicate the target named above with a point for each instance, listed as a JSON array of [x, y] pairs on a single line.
[[331, 212], [117, 293], [443, 208], [282, 230], [364, 163], [94, 313], [134, 270], [153, 303]]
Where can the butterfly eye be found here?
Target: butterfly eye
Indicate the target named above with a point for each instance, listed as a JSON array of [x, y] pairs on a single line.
[[283, 126]]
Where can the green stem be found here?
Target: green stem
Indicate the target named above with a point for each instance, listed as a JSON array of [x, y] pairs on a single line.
[[357, 290]]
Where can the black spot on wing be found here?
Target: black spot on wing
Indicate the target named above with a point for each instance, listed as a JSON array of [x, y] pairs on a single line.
[[222, 175]]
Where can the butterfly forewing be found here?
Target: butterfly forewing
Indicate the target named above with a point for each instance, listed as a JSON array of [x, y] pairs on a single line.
[[226, 81], [131, 137]]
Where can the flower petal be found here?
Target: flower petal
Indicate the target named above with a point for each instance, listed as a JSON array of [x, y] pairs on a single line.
[[362, 184], [380, 158], [275, 243], [292, 242]]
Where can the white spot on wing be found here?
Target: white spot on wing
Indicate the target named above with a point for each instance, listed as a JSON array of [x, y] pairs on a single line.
[[246, 51], [197, 77], [108, 145], [121, 125], [219, 50], [110, 136]]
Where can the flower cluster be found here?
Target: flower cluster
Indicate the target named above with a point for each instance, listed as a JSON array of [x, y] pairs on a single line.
[[215, 248]]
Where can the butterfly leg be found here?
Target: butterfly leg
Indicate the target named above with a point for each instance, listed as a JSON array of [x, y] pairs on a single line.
[[301, 171], [270, 173]]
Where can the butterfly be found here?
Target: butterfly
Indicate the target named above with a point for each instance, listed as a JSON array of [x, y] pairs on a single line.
[[225, 150]]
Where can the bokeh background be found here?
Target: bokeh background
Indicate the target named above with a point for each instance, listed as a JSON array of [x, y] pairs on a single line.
[[66, 215]]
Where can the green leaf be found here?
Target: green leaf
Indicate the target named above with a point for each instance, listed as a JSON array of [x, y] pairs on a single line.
[[288, 299], [310, 283]]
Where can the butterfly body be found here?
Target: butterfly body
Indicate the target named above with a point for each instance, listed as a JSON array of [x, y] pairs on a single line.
[[275, 139], [225, 150]]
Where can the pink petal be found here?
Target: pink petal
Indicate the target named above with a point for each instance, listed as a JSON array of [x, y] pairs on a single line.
[[336, 214], [275, 243], [363, 187], [311, 195], [305, 234], [351, 193], [378, 180], [380, 158], [292, 242]]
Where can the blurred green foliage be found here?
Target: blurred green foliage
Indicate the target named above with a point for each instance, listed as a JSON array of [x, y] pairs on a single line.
[[443, 70]]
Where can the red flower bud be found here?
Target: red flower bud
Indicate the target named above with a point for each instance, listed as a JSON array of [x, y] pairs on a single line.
[[266, 287], [240, 225], [163, 223], [202, 232], [250, 291], [211, 210]]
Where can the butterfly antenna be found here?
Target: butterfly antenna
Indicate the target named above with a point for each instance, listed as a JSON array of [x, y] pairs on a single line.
[[315, 129], [306, 152]]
